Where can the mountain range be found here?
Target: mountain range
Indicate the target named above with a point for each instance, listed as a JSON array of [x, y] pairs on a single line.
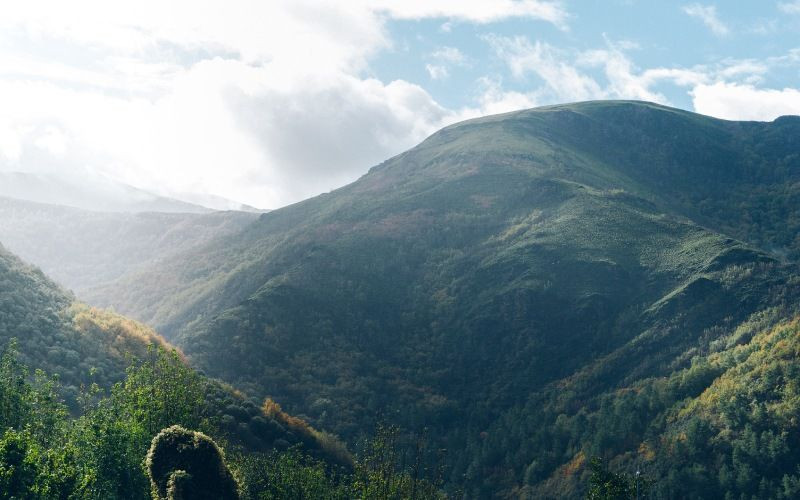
[[102, 194], [610, 279]]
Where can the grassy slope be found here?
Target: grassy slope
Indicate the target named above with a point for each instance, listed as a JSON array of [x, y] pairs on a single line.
[[506, 271]]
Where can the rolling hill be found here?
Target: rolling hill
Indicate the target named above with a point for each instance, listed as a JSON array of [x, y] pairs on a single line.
[[534, 288]]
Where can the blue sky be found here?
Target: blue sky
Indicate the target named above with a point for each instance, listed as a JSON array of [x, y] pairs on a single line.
[[648, 34], [270, 102]]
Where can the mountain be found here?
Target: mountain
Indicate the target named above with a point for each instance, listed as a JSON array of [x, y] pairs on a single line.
[[86, 250], [218, 202], [89, 192], [59, 335], [84, 391], [82, 346], [534, 288]]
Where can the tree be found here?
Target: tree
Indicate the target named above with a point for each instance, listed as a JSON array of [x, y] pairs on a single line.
[[607, 485], [185, 464]]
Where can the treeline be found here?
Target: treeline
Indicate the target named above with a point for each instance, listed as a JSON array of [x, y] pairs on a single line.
[[47, 453]]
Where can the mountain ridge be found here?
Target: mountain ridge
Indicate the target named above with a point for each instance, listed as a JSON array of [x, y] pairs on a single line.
[[510, 284]]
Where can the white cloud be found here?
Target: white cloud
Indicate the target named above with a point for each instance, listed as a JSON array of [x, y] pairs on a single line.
[[733, 101], [479, 11], [562, 80], [726, 90], [445, 58], [437, 71], [708, 15], [264, 102], [449, 54], [565, 76], [329, 132], [790, 7], [494, 99]]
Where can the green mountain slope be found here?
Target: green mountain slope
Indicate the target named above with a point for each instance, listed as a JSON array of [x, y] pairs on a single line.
[[59, 335], [84, 346], [722, 426], [503, 284]]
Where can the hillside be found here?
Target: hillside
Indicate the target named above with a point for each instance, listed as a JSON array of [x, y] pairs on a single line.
[[83, 346], [510, 284], [501, 279], [85, 250], [83, 393], [63, 337]]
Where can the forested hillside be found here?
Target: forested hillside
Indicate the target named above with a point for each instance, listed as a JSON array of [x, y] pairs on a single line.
[[59, 335], [83, 391], [509, 277], [530, 290]]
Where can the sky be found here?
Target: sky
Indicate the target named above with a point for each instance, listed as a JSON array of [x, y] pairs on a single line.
[[273, 101]]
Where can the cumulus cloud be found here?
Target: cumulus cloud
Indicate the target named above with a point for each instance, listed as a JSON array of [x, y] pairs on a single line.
[[708, 15], [378, 119], [744, 102]]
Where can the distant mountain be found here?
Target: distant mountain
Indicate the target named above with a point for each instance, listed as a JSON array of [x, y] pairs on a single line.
[[101, 194], [85, 250], [534, 288], [218, 202], [94, 193]]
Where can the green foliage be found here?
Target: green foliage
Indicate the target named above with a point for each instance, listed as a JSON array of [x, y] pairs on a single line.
[[115, 451], [290, 474], [82, 345], [377, 475], [380, 472], [183, 464], [607, 485], [19, 466]]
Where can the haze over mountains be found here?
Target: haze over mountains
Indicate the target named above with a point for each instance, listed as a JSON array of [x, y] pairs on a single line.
[[83, 249], [101, 194], [534, 288]]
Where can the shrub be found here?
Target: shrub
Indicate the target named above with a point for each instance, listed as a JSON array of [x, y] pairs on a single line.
[[188, 464]]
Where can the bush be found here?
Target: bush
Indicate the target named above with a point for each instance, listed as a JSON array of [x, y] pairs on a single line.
[[188, 464]]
